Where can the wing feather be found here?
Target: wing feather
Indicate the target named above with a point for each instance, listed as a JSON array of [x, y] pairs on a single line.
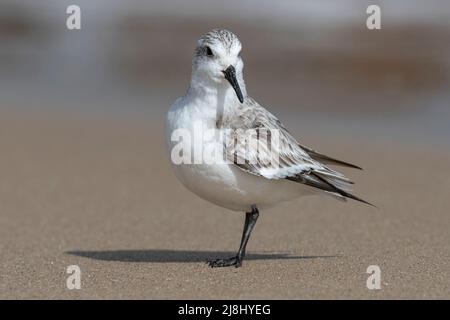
[[263, 146]]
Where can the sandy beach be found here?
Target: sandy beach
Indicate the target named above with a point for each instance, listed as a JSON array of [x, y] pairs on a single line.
[[98, 192]]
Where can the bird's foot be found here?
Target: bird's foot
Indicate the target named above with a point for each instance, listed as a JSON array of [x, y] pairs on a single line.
[[234, 261]]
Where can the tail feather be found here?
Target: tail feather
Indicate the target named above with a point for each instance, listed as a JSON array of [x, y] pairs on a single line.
[[328, 160], [313, 179], [340, 191]]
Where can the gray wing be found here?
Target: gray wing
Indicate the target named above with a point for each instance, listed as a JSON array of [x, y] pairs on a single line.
[[263, 146]]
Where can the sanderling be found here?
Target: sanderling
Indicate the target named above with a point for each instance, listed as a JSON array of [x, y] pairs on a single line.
[[218, 98]]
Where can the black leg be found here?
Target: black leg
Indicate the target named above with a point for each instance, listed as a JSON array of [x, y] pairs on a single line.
[[250, 221]]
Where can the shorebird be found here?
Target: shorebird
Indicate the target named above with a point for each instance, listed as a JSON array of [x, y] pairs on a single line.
[[218, 98]]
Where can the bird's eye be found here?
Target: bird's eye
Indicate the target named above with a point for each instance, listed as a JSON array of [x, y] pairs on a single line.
[[209, 52]]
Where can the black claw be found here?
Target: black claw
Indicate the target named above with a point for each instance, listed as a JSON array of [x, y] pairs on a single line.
[[234, 261]]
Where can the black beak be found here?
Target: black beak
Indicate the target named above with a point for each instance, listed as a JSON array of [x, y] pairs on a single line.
[[230, 75]]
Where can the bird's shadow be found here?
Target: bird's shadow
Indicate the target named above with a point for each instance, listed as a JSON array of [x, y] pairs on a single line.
[[163, 256]]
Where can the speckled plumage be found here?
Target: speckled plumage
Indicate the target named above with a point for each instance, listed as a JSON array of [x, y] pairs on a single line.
[[294, 161], [225, 38]]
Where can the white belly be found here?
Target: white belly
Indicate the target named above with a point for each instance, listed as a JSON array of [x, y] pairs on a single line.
[[228, 186]]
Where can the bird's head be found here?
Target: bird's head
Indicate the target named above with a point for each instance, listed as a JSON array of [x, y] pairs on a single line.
[[217, 60]]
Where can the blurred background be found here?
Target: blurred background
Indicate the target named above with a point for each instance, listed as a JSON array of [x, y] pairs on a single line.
[[302, 59], [85, 180]]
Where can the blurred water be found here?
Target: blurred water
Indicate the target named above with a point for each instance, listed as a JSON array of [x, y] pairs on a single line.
[[312, 62]]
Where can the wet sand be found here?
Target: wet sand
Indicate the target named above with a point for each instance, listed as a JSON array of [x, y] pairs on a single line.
[[98, 192]]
